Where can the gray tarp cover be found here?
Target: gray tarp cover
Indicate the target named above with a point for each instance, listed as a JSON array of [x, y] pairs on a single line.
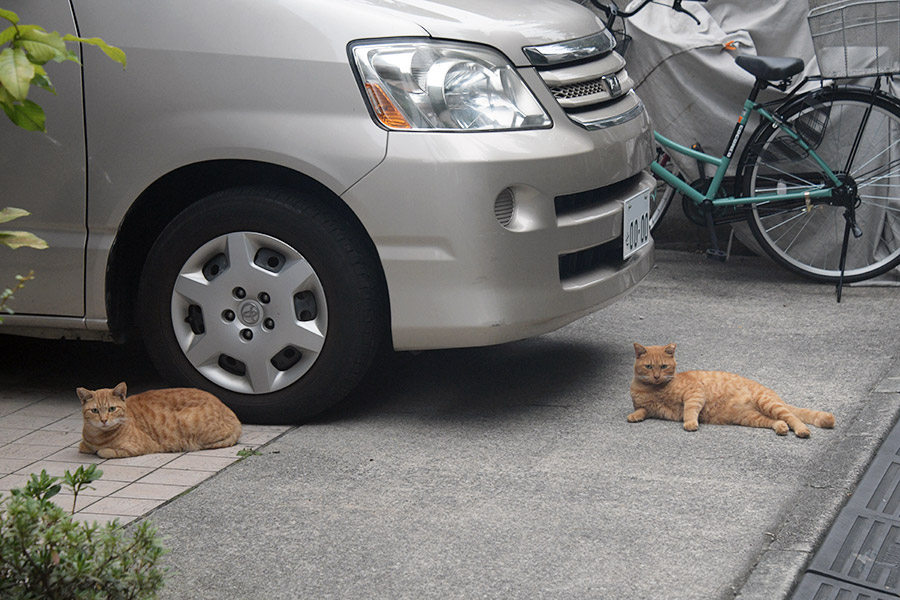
[[687, 77]]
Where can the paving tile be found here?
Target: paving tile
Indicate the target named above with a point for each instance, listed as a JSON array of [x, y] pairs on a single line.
[[10, 482], [64, 501], [148, 460], [25, 451], [174, 477], [194, 461], [52, 408], [21, 397], [102, 518], [11, 465], [133, 507], [10, 435], [71, 454], [102, 488], [53, 467], [229, 452], [114, 472], [60, 439], [150, 491], [17, 420], [11, 406], [67, 424]]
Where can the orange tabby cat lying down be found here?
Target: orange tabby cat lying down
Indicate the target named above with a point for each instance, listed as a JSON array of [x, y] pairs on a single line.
[[171, 420], [710, 397]]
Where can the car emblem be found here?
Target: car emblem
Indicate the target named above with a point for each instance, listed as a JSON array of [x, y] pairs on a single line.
[[250, 313], [611, 82]]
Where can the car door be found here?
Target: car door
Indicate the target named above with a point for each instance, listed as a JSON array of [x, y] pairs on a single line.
[[45, 175]]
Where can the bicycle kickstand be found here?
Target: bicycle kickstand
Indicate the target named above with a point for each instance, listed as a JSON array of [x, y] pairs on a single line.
[[849, 225], [715, 252]]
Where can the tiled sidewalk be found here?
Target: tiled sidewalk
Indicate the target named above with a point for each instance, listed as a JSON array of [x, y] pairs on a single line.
[[43, 433]]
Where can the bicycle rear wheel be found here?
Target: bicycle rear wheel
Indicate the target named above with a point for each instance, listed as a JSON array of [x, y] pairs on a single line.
[[807, 239]]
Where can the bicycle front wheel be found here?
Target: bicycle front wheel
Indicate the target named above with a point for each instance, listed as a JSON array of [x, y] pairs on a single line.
[[662, 195], [807, 238]]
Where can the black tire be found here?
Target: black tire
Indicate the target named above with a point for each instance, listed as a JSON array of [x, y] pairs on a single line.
[[808, 241], [267, 298], [662, 195]]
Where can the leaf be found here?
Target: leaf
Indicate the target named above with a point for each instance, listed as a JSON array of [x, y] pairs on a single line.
[[16, 72], [10, 213], [7, 35], [43, 82], [9, 16], [43, 47], [27, 115], [19, 239], [115, 53]]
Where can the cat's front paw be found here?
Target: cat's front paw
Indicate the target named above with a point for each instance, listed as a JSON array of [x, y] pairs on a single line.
[[637, 416], [691, 426], [781, 428], [108, 453]]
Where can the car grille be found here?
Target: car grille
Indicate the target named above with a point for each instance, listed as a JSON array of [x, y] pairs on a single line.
[[588, 79]]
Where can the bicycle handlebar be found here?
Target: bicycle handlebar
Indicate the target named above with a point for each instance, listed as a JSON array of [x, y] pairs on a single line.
[[613, 12]]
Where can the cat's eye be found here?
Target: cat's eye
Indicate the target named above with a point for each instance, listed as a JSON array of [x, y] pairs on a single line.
[[663, 366], [96, 411], [649, 366], [111, 409]]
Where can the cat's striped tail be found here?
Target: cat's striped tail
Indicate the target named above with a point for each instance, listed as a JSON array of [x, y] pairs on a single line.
[[818, 418]]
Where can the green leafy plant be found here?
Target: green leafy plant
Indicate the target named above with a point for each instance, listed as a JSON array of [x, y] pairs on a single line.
[[28, 49], [45, 554], [16, 239], [24, 50]]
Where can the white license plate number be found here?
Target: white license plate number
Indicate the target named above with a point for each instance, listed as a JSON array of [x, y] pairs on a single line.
[[636, 224]]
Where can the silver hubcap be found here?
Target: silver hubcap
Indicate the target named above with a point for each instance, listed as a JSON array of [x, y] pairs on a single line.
[[249, 313]]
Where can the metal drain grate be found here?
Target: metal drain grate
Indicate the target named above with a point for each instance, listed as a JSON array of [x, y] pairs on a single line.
[[861, 553]]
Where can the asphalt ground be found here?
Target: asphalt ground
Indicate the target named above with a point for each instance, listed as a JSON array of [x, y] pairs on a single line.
[[511, 472]]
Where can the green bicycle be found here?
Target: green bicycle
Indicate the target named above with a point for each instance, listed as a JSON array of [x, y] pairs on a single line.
[[818, 181]]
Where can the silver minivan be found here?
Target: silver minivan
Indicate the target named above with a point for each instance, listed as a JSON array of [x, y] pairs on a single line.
[[273, 192]]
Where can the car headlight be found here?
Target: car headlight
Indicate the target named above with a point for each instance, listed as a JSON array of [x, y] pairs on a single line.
[[436, 85]]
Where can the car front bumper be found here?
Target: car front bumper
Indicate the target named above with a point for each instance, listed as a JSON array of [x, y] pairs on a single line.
[[456, 276]]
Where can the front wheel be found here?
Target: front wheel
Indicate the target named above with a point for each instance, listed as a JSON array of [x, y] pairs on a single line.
[[268, 298], [807, 237], [662, 195]]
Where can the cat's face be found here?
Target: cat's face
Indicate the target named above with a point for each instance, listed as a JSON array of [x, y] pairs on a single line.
[[654, 365], [104, 408]]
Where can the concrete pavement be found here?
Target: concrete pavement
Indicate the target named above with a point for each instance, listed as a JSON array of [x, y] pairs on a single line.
[[511, 472]]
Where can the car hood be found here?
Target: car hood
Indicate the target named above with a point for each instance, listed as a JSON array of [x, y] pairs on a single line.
[[508, 26]]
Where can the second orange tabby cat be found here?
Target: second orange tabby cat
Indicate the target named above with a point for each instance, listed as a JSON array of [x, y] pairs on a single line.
[[713, 397], [169, 420]]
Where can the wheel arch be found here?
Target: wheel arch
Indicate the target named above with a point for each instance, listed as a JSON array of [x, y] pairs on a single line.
[[161, 202]]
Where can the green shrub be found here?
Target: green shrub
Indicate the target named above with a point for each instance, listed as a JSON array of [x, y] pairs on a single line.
[[47, 555]]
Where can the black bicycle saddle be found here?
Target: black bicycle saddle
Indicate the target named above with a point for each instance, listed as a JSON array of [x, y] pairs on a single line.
[[770, 68]]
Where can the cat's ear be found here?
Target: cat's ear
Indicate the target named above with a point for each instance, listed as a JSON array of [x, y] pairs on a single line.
[[639, 350], [670, 349], [84, 395], [120, 390]]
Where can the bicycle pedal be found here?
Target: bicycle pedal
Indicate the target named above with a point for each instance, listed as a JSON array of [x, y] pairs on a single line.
[[715, 254]]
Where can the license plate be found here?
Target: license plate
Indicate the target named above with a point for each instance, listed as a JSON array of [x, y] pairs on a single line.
[[636, 223]]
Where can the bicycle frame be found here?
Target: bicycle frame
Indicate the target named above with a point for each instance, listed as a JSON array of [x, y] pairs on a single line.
[[722, 163]]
